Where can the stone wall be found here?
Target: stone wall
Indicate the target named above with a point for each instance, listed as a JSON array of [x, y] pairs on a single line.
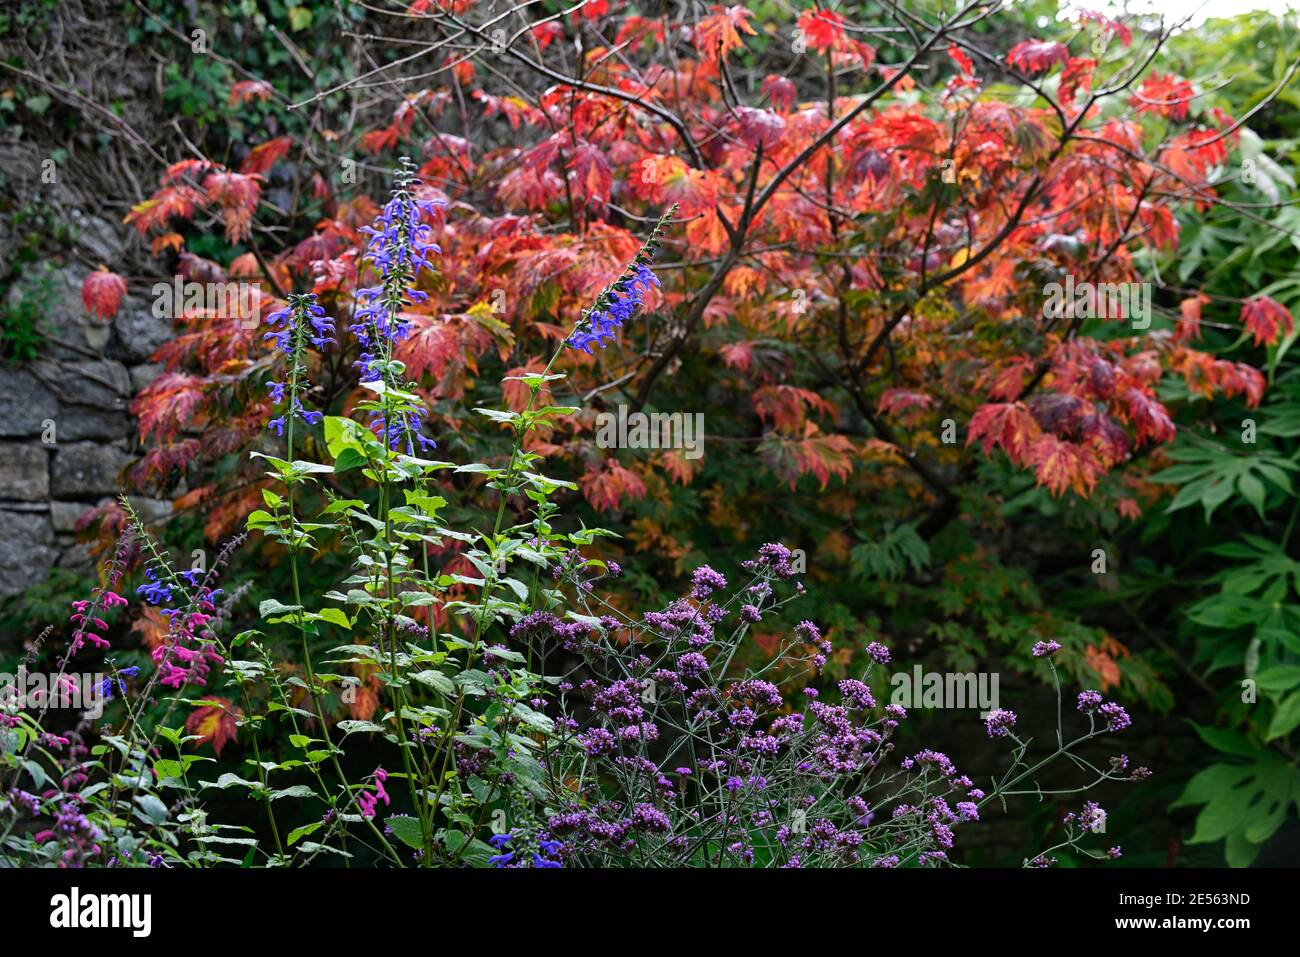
[[66, 432]]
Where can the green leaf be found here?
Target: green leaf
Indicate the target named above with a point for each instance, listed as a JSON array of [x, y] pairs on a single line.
[[335, 616], [153, 807], [300, 832], [1278, 678], [437, 680], [296, 791], [1238, 851], [1285, 718], [349, 458], [407, 830], [272, 606], [259, 519], [1229, 742], [229, 781], [475, 855], [351, 727]]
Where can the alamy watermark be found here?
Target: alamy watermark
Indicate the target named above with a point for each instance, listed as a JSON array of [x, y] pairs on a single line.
[[950, 689], [36, 690], [77, 910], [1099, 300], [651, 430], [221, 300]]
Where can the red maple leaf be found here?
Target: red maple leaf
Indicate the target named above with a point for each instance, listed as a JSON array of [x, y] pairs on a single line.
[[261, 158], [1164, 94], [786, 406], [102, 293], [1149, 417], [605, 485], [760, 127], [1061, 465], [893, 401], [154, 212], [1237, 378], [961, 59], [1010, 381], [823, 28], [247, 90], [781, 92], [1035, 56], [1076, 75], [384, 138], [545, 33], [1006, 425], [237, 194], [823, 455], [738, 355], [1264, 318], [593, 178], [1189, 321], [215, 722]]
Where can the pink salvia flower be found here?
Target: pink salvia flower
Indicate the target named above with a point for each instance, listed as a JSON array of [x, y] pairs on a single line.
[[370, 801]]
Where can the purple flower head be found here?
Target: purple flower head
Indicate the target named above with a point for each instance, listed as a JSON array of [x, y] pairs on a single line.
[[999, 722], [1092, 817], [1117, 718], [619, 301], [614, 306], [154, 591], [404, 428], [692, 664], [1045, 649], [705, 582], [878, 653], [647, 817], [856, 694], [399, 248], [301, 322], [1089, 701]]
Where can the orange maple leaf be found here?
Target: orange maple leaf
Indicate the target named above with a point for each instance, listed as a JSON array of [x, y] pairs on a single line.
[[152, 626], [215, 722], [718, 34], [605, 485], [1102, 661]]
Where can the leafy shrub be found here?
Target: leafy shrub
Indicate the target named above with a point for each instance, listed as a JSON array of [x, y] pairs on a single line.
[[483, 731], [858, 287]]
